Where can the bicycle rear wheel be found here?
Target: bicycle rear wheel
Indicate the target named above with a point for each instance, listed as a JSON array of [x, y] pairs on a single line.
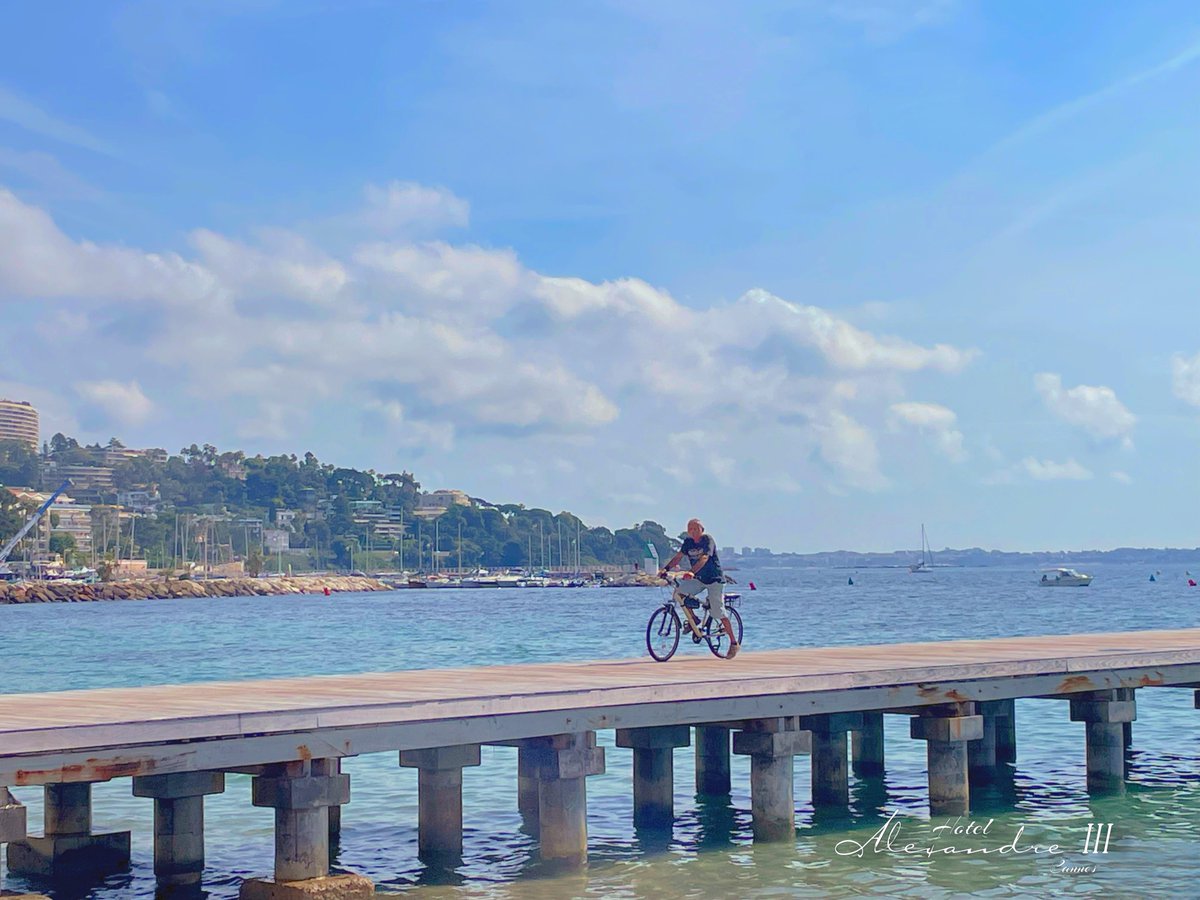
[[662, 633], [718, 640]]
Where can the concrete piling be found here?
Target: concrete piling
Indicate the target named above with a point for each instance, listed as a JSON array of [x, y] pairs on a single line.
[[712, 760], [439, 797], [1005, 712], [335, 815], [772, 747], [946, 731], [178, 823], [654, 771], [12, 828], [563, 763], [1104, 714], [68, 848], [830, 771], [301, 794], [527, 787], [981, 754], [866, 746]]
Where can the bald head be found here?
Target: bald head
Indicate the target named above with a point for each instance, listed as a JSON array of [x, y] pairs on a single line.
[[695, 528]]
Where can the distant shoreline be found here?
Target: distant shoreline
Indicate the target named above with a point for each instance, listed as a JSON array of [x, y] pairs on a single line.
[[972, 557]]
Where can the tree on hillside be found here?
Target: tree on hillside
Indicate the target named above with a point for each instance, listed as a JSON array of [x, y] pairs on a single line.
[[19, 465], [13, 513]]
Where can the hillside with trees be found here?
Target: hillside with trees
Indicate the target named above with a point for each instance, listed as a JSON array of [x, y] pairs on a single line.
[[230, 498]]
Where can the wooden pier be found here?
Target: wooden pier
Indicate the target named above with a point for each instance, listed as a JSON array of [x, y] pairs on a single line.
[[176, 742]]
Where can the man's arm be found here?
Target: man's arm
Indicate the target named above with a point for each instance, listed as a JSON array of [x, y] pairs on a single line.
[[671, 564]]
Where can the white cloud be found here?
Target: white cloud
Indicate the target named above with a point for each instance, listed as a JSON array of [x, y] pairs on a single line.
[[286, 266], [122, 403], [1120, 476], [24, 114], [436, 344], [698, 455], [885, 21], [851, 449], [935, 420], [407, 207], [1094, 409], [1185, 378], [1048, 470], [759, 314], [45, 170], [38, 260], [443, 281]]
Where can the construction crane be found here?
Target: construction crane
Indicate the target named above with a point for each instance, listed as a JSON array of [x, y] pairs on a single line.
[[33, 520]]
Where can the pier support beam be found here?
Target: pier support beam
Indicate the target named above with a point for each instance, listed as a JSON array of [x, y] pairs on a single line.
[[1104, 714], [654, 771], [335, 814], [946, 731], [866, 746], [12, 828], [712, 759], [830, 772], [68, 847], [772, 745], [982, 756], [527, 787], [563, 763], [439, 798], [1005, 713], [178, 824], [301, 794]]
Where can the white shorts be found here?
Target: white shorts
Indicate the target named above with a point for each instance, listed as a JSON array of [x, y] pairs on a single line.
[[693, 587]]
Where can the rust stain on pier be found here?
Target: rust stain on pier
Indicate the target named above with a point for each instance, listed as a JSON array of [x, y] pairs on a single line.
[[1075, 683], [93, 770]]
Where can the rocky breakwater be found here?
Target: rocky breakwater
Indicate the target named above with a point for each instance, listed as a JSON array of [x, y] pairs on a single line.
[[160, 589], [634, 579]]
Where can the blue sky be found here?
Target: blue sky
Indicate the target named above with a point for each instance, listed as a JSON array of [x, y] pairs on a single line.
[[816, 272]]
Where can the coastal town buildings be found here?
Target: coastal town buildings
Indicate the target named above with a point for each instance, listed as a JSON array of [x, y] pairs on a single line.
[[138, 501], [91, 484], [432, 504], [276, 540], [382, 524], [19, 422], [75, 519]]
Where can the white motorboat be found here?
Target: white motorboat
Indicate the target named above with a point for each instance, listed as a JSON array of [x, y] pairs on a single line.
[[1064, 578]]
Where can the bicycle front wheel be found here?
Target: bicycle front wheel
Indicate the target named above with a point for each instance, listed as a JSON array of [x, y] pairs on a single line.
[[662, 633], [718, 640]]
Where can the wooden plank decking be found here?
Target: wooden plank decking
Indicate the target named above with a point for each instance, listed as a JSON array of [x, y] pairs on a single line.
[[84, 735]]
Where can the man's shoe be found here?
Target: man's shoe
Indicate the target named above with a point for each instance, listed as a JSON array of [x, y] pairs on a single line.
[[733, 651]]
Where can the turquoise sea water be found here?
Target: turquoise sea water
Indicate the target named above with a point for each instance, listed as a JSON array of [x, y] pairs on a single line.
[[709, 853]]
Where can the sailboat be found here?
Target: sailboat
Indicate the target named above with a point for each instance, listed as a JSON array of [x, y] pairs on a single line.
[[925, 564]]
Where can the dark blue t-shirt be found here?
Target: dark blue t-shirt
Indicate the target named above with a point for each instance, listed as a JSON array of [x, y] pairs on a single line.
[[706, 546]]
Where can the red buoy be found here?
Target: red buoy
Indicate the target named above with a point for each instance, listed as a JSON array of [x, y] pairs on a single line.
[[326, 592], [752, 587]]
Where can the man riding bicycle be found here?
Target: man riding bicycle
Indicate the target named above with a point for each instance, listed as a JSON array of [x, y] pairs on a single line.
[[704, 574]]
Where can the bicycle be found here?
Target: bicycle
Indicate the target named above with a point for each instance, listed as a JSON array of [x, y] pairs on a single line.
[[665, 627]]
